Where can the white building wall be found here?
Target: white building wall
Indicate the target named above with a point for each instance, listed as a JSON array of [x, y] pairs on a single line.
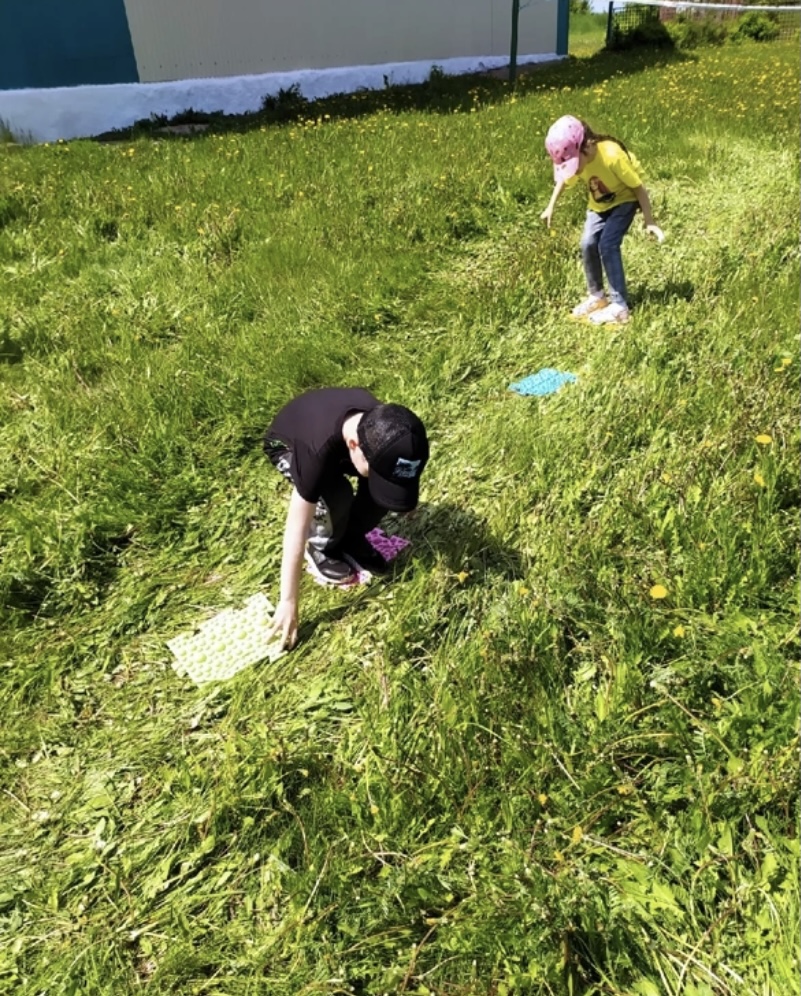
[[227, 55], [186, 39]]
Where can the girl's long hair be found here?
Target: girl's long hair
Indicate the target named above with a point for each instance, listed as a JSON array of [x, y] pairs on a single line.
[[592, 136]]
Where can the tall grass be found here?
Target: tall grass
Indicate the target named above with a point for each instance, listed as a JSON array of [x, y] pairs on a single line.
[[557, 753], [587, 33]]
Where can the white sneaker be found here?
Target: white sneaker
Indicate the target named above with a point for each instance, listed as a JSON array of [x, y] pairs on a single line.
[[590, 304], [612, 314]]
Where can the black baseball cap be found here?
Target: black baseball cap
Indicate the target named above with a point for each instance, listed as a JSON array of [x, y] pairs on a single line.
[[395, 445]]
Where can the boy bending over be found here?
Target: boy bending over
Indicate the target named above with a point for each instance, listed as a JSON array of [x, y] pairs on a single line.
[[317, 441]]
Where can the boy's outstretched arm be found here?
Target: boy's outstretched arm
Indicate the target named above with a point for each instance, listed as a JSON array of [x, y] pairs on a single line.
[[557, 190], [647, 213], [296, 532]]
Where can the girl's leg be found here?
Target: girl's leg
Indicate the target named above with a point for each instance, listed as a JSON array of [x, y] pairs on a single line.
[[590, 255], [617, 222]]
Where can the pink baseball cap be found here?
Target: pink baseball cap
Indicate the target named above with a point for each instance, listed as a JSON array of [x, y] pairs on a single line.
[[563, 143]]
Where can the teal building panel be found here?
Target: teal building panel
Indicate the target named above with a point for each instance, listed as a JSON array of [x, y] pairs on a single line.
[[49, 43], [562, 25]]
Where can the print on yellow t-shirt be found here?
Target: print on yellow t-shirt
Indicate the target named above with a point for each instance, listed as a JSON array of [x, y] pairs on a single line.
[[611, 177]]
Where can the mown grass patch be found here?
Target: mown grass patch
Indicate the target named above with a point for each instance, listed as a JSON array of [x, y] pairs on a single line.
[[558, 752]]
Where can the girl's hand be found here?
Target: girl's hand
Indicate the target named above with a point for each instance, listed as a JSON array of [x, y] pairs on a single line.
[[546, 215], [656, 231]]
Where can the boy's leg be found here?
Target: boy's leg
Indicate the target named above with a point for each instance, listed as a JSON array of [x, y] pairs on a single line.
[[282, 461], [279, 455], [323, 547], [590, 256], [618, 222], [333, 509], [364, 514], [330, 517], [364, 517]]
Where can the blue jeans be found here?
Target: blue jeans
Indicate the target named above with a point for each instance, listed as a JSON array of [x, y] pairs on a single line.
[[600, 244]]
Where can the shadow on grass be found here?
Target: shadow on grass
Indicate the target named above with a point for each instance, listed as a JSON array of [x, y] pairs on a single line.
[[443, 534], [460, 540], [36, 594], [10, 350], [440, 94], [668, 293]]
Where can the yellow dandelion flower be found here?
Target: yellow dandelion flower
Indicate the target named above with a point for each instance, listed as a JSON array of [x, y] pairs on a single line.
[[577, 834], [763, 439], [542, 798], [658, 591], [759, 479], [679, 631]]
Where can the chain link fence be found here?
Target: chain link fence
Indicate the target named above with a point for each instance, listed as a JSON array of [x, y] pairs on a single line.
[[686, 25]]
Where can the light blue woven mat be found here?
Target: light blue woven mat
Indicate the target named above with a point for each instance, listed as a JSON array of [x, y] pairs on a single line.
[[545, 381]]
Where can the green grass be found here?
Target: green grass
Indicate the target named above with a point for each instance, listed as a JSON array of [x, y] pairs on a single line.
[[587, 34], [513, 769]]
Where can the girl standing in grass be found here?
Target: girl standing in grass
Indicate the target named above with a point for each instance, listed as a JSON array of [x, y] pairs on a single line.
[[615, 192]]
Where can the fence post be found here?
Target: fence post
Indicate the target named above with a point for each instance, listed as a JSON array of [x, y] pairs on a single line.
[[513, 43], [562, 27], [609, 23]]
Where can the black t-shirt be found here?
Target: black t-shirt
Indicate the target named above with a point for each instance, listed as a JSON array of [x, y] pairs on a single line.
[[311, 426]]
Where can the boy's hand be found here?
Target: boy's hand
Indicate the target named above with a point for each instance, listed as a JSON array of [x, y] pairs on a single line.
[[285, 622], [656, 231]]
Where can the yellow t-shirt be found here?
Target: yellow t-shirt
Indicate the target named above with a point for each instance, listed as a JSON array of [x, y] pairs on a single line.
[[611, 177]]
